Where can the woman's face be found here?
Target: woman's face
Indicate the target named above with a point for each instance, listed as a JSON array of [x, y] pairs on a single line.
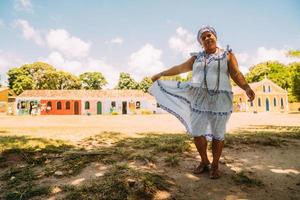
[[208, 40]]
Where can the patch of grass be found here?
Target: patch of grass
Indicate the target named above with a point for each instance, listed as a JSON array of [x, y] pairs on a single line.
[[242, 179], [116, 185], [172, 160], [27, 192], [263, 135], [144, 157], [157, 143]]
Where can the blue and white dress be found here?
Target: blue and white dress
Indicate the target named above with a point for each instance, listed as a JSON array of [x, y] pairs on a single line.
[[200, 105]]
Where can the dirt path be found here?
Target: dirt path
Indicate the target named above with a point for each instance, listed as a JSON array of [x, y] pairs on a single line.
[[75, 128]]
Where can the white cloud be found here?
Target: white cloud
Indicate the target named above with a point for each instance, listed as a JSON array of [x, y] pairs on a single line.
[[70, 46], [29, 32], [117, 40], [145, 62], [8, 61], [184, 42], [263, 54], [87, 64], [1, 23], [23, 5]]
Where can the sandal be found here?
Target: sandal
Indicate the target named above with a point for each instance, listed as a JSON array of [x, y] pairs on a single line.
[[202, 167], [214, 172]]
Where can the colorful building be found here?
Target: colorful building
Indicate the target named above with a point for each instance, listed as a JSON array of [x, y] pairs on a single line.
[[7, 98], [85, 102], [269, 97]]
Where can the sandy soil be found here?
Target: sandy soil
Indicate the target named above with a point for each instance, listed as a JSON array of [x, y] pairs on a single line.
[[278, 168]]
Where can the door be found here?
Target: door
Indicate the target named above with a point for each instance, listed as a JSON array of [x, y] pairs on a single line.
[[124, 107], [76, 108], [267, 105], [99, 108]]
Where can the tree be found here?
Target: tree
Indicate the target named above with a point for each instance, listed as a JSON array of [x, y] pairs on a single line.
[[295, 81], [172, 78], [294, 53], [92, 80], [126, 82], [145, 84], [275, 71], [40, 75]]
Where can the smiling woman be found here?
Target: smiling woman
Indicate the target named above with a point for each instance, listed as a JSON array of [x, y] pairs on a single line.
[[203, 105]]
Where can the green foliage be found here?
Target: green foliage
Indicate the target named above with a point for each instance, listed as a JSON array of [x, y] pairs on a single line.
[[145, 84], [40, 75], [295, 80], [172, 78], [126, 82], [286, 77], [294, 53], [92, 80]]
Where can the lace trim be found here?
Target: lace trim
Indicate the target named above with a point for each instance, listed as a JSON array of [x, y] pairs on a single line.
[[212, 57], [187, 101]]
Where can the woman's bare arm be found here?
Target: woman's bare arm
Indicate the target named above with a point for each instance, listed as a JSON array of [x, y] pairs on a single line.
[[178, 69], [238, 77]]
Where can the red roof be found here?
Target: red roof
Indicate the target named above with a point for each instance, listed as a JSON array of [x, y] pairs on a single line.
[[83, 94]]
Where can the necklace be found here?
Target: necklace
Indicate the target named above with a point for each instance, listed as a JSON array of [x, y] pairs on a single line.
[[216, 88]]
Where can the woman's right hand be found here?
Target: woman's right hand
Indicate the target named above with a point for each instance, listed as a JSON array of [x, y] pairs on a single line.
[[155, 77]]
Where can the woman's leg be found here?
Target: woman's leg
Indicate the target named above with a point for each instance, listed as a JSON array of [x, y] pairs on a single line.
[[201, 145], [217, 147]]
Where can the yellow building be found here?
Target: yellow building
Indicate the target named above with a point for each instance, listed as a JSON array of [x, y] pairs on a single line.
[[7, 99], [269, 97]]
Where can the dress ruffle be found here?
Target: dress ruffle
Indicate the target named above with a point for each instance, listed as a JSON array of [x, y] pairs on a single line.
[[199, 112]]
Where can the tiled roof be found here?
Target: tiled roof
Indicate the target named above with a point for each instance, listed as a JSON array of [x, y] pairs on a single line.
[[82, 94]]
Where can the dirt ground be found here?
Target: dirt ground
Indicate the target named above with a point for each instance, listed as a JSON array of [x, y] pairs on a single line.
[[75, 128], [261, 158]]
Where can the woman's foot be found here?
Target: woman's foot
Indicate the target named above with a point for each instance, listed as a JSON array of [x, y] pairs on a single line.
[[202, 167], [214, 172]]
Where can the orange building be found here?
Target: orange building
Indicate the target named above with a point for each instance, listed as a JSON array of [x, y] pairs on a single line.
[[85, 102], [269, 97], [7, 98]]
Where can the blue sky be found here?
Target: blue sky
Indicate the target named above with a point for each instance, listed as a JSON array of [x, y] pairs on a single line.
[[141, 37]]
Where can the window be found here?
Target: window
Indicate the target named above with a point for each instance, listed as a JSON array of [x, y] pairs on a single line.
[[49, 104], [264, 88], [157, 105], [58, 105], [281, 102], [275, 102], [259, 102], [138, 105], [113, 104], [87, 105], [240, 99], [23, 105], [269, 87], [68, 105], [251, 103]]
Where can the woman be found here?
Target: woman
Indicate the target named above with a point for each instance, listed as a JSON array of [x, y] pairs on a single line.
[[203, 105]]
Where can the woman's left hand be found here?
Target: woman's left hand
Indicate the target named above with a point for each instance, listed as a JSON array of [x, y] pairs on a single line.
[[250, 93]]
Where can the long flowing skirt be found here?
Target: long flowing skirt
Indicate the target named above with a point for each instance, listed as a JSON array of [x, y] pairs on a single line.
[[202, 112]]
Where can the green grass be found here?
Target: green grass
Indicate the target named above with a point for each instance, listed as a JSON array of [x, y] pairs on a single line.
[[172, 160], [158, 143], [242, 179], [276, 136]]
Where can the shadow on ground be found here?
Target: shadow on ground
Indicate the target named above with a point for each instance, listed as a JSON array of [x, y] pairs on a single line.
[[147, 166]]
